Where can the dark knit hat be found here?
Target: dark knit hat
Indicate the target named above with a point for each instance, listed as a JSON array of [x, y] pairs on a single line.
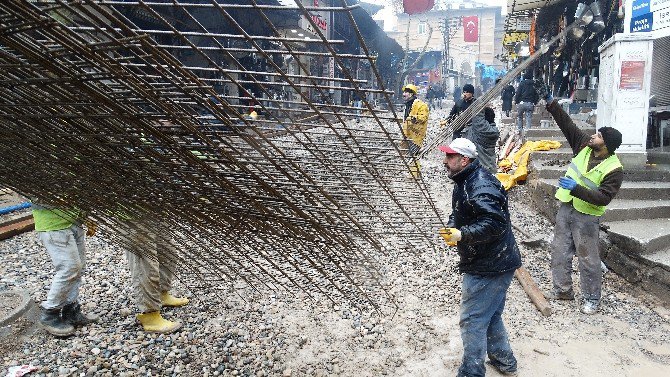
[[468, 88], [612, 138]]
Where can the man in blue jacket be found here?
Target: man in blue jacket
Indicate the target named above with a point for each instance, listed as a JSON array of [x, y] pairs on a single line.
[[526, 98], [480, 227]]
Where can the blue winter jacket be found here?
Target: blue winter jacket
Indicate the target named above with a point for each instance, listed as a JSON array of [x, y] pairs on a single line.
[[480, 212]]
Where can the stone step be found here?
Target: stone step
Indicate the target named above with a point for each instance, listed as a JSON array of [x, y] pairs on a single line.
[[563, 141], [547, 169], [643, 236], [634, 209], [642, 191], [545, 133], [632, 189], [561, 154], [649, 271], [635, 200], [658, 157]]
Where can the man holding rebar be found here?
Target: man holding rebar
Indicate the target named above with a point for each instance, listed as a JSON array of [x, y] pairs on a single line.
[[480, 227], [593, 178], [415, 124], [461, 105]]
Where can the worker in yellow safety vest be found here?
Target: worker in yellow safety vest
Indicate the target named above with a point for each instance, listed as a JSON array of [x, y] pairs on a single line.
[[593, 178]]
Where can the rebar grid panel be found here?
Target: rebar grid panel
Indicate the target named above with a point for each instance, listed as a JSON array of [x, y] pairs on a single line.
[[136, 112]]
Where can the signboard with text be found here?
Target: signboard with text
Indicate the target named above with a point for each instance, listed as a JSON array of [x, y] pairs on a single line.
[[649, 15], [632, 75]]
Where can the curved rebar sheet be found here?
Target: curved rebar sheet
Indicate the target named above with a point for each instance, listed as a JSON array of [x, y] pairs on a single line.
[[137, 113]]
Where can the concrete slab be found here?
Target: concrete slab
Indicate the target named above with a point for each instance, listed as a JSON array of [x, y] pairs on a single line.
[[642, 236], [632, 209], [548, 169], [661, 257], [630, 190]]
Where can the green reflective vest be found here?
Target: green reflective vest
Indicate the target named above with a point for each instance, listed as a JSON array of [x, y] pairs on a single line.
[[47, 220], [589, 179]]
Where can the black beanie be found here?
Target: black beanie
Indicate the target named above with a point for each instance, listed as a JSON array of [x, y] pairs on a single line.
[[612, 138], [468, 88]]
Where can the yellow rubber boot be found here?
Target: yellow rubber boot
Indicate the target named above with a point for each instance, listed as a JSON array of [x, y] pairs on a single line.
[[415, 169], [169, 300], [154, 322]]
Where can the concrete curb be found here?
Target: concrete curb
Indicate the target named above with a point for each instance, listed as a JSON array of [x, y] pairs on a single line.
[[25, 305]]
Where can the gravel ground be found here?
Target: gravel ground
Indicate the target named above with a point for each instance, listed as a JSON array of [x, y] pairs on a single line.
[[279, 334]]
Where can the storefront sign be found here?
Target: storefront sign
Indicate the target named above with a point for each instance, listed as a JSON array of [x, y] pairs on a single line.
[[642, 23], [632, 75], [512, 38], [649, 15], [523, 24]]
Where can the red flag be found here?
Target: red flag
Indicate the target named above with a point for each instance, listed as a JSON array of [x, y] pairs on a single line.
[[434, 75], [470, 29], [417, 6]]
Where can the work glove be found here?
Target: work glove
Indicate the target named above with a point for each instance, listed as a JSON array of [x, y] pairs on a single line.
[[567, 183], [451, 235], [91, 227], [443, 122]]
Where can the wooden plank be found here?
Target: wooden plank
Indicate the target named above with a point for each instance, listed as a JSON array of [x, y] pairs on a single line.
[[17, 226], [533, 291]]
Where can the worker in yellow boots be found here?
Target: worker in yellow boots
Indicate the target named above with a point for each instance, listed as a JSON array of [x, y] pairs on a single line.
[[152, 261], [415, 124]]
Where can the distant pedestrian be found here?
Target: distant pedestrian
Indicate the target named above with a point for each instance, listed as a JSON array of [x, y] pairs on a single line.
[[415, 124], [507, 98], [480, 227], [430, 97], [526, 98], [358, 104]]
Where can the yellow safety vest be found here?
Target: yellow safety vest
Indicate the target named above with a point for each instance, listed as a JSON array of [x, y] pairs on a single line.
[[589, 179]]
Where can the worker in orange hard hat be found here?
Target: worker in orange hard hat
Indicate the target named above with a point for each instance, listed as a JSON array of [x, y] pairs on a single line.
[[415, 124]]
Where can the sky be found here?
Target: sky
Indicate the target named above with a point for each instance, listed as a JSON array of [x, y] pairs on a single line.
[[387, 14]]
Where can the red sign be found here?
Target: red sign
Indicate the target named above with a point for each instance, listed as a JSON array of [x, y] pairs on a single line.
[[417, 6], [632, 75], [470, 29]]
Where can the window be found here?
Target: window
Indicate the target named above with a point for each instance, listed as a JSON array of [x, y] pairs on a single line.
[[422, 28]]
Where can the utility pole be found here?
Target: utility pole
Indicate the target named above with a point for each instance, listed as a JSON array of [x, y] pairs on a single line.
[[450, 28]]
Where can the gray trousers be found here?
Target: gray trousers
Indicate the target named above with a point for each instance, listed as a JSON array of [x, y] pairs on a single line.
[[524, 112], [151, 268], [67, 251], [576, 233]]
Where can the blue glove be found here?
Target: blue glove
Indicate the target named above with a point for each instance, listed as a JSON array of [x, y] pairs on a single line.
[[567, 183]]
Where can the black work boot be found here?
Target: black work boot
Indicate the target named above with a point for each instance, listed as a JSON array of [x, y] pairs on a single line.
[[73, 315], [55, 324]]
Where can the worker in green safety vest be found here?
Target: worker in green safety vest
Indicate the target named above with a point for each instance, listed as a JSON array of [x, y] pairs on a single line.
[[61, 233], [593, 178]]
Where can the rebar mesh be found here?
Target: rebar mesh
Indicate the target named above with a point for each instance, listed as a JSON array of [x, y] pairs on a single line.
[[136, 112]]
